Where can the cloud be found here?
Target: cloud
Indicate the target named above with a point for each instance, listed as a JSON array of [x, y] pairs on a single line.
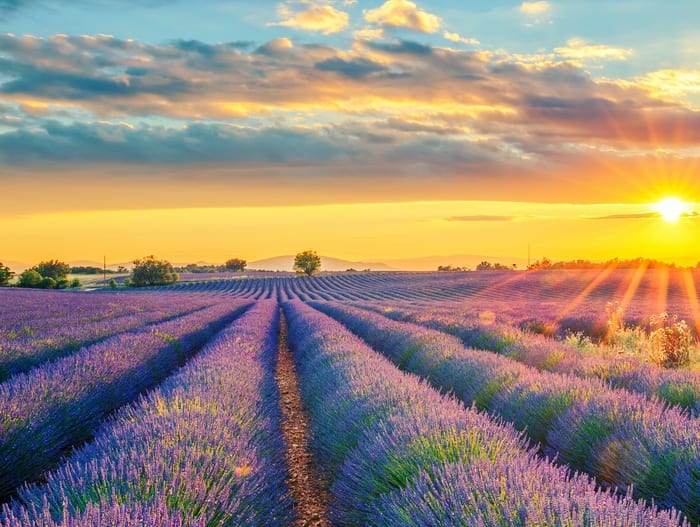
[[535, 8], [388, 109], [634, 216], [275, 47], [318, 17], [672, 83], [403, 14], [455, 37], [368, 33], [402, 47], [104, 142], [579, 50], [9, 7], [481, 217], [644, 216], [354, 69]]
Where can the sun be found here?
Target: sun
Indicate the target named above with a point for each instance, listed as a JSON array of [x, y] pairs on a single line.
[[671, 209]]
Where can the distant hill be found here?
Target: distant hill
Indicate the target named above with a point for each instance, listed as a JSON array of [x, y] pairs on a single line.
[[286, 262], [15, 266]]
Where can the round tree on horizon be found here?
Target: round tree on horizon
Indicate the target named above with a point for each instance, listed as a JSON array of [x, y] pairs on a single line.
[[152, 271], [236, 264], [307, 262]]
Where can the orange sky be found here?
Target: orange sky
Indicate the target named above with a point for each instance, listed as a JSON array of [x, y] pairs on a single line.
[[369, 232]]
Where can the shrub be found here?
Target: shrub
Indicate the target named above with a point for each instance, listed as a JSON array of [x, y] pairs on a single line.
[[112, 283], [29, 278], [152, 271], [75, 283], [48, 283], [670, 341]]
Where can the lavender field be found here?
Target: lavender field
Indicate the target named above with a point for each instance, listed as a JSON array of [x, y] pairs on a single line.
[[424, 399]]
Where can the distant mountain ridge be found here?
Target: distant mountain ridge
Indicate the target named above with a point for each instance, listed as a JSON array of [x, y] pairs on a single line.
[[286, 263], [328, 263]]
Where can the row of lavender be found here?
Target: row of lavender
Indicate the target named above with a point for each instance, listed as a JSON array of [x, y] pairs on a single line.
[[398, 453], [559, 299], [202, 449], [677, 387], [350, 287], [620, 437], [60, 403], [86, 320], [22, 313]]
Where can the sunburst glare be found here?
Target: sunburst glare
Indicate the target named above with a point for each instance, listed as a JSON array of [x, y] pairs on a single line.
[[671, 209]]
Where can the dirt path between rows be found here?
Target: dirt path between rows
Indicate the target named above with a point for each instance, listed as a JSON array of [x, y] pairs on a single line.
[[309, 492]]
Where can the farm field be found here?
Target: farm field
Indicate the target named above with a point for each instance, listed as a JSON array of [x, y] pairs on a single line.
[[386, 399]]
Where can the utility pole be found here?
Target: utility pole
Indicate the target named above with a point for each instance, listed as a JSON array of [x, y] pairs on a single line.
[[104, 268], [528, 256]]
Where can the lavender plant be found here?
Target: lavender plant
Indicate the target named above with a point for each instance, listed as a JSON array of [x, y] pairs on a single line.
[[399, 453], [61, 403], [205, 448], [619, 437]]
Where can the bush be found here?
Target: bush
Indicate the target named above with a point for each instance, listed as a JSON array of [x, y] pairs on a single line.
[[670, 341], [48, 283], [75, 283], [307, 262], [112, 284], [151, 271], [30, 278]]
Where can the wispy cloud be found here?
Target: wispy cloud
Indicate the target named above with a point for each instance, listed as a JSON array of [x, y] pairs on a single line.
[[481, 217], [312, 16], [580, 50], [632, 216], [535, 8], [456, 37], [403, 14]]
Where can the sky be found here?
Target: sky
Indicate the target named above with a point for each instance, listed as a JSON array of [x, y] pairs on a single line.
[[365, 130]]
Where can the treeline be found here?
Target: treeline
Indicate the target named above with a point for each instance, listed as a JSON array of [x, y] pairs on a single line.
[[147, 271], [617, 263], [483, 266], [232, 265], [91, 269]]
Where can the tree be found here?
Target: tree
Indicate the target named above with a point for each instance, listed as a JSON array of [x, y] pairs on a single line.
[[152, 271], [484, 266], [5, 275], [30, 278], [53, 269], [236, 264], [307, 262]]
